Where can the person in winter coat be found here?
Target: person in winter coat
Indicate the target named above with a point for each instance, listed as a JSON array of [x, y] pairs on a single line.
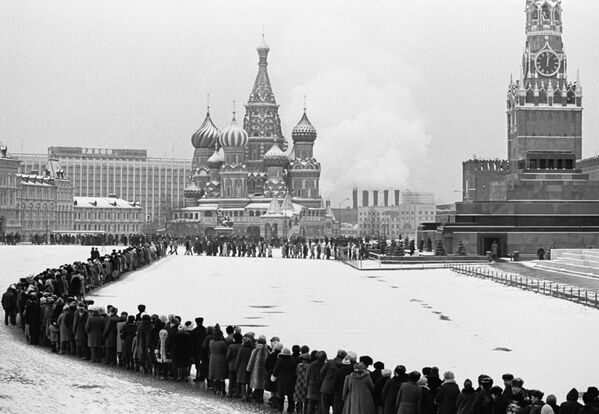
[[153, 340], [378, 388], [241, 363], [391, 389], [128, 332], [271, 361], [588, 398], [94, 327], [552, 402], [499, 401], [163, 355], [484, 401], [347, 367], [142, 350], [434, 381], [9, 304], [284, 376], [378, 371], [571, 405], [328, 373], [409, 395], [257, 369], [301, 383], [79, 322], [447, 395], [119, 340], [110, 337], [425, 404], [314, 383], [198, 336], [218, 368], [231, 357], [357, 392], [65, 326], [181, 351], [466, 401]]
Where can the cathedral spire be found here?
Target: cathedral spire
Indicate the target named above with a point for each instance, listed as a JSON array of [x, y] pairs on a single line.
[[262, 91]]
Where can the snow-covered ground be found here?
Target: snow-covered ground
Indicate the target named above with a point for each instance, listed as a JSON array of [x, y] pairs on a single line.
[[34, 380], [413, 317]]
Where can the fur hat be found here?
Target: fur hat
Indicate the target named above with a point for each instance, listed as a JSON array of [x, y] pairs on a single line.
[[517, 382], [422, 382], [386, 373], [279, 347], [285, 351], [349, 358]]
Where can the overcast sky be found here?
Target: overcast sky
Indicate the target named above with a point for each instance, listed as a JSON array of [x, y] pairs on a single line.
[[401, 92]]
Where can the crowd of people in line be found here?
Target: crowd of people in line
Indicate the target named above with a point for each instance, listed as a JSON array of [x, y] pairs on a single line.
[[52, 311], [242, 246]]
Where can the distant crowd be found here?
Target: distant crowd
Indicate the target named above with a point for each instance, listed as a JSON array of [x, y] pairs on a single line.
[[52, 311]]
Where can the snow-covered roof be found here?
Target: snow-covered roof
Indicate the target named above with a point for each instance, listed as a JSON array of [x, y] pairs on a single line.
[[104, 202]]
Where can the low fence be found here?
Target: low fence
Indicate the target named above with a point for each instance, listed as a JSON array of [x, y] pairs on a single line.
[[382, 262], [544, 287]]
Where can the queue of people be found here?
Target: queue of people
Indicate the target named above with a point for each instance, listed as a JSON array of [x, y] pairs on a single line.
[[52, 311]]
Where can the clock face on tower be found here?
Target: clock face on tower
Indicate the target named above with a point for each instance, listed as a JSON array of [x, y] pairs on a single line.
[[547, 63]]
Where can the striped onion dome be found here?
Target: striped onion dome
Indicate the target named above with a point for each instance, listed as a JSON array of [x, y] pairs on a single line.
[[233, 135], [207, 135], [274, 157], [304, 130], [216, 160]]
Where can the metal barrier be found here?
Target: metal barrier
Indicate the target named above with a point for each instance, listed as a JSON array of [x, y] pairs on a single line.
[[544, 287]]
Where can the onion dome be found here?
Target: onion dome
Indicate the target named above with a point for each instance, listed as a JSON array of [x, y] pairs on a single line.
[[263, 46], [216, 160], [207, 135], [304, 130], [192, 191], [233, 135], [274, 157]]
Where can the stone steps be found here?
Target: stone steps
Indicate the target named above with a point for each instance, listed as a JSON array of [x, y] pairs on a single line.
[[576, 261]]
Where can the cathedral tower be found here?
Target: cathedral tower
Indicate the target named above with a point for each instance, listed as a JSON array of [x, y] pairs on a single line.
[[304, 170], [262, 122], [233, 174], [544, 108]]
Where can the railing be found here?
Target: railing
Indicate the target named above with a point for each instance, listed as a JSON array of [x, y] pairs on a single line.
[[571, 293]]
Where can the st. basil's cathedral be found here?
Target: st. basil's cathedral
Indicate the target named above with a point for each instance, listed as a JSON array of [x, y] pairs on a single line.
[[248, 180]]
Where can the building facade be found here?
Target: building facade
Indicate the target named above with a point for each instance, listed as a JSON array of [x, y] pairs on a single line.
[[250, 180], [538, 196], [44, 202], [9, 213], [391, 213], [110, 215], [156, 183]]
